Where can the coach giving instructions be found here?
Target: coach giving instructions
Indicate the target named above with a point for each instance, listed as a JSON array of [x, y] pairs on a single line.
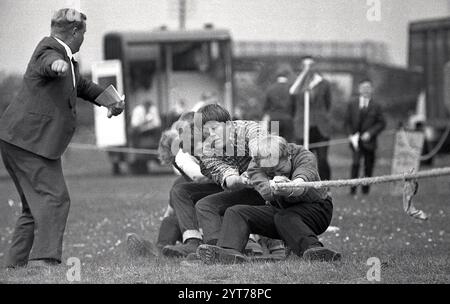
[[35, 130]]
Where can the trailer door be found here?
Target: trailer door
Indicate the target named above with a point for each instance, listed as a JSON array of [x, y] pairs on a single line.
[[109, 131]]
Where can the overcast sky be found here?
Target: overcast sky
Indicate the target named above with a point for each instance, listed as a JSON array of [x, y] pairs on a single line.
[[24, 22]]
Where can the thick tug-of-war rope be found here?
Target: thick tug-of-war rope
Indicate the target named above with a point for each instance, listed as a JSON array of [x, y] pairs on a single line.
[[409, 189]]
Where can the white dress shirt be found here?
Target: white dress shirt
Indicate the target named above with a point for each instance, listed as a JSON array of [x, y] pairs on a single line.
[[70, 55], [363, 102]]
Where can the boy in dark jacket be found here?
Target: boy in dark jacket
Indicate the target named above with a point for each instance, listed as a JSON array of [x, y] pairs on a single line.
[[296, 215]]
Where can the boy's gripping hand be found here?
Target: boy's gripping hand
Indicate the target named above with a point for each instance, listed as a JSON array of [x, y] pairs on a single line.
[[236, 182], [293, 190], [202, 179]]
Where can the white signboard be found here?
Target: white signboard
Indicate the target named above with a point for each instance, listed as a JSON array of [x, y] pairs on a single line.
[[109, 131], [407, 152]]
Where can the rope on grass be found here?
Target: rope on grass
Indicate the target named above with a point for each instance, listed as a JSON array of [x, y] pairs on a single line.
[[409, 190]]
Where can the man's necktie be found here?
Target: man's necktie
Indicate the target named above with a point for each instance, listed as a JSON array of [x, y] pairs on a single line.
[[72, 65]]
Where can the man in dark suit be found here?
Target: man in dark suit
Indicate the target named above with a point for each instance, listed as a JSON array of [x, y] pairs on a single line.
[[364, 122], [279, 104], [35, 130], [320, 106]]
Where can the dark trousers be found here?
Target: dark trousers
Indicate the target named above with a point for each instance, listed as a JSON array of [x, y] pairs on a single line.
[[315, 136], [169, 230], [285, 128], [211, 209], [183, 198], [298, 226], [45, 206], [369, 162]]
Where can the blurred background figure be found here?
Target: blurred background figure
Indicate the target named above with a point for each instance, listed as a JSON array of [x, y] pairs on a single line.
[[145, 120], [320, 106], [279, 104], [175, 112], [364, 122]]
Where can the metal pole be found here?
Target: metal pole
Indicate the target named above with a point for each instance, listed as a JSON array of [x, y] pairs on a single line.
[[182, 14], [306, 120]]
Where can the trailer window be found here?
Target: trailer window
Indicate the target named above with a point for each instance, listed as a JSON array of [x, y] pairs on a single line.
[[191, 56]]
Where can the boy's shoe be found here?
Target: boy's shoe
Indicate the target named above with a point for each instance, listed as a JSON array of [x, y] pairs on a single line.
[[138, 247], [181, 250], [211, 254], [321, 254], [277, 249], [253, 248]]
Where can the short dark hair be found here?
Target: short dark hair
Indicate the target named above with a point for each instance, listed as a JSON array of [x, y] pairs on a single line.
[[214, 112]]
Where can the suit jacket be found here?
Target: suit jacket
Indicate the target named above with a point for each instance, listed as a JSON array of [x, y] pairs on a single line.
[[42, 118], [320, 105], [369, 120], [279, 104]]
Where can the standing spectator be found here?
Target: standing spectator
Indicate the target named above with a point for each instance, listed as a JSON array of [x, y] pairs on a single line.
[[145, 118], [364, 122], [279, 104], [320, 106], [35, 130]]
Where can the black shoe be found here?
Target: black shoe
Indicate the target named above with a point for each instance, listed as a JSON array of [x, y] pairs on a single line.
[[138, 247], [321, 254], [181, 250], [211, 254]]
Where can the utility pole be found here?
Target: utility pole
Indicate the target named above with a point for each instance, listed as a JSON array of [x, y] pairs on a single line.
[[182, 14]]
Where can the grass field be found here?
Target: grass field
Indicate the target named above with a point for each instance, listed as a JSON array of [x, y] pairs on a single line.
[[104, 208]]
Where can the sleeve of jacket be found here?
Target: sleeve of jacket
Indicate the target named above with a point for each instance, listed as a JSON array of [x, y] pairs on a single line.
[[44, 61], [348, 119], [305, 165], [88, 90], [188, 164], [216, 169], [260, 181], [327, 96], [380, 123]]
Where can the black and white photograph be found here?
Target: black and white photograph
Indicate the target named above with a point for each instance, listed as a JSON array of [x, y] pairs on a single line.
[[224, 149]]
